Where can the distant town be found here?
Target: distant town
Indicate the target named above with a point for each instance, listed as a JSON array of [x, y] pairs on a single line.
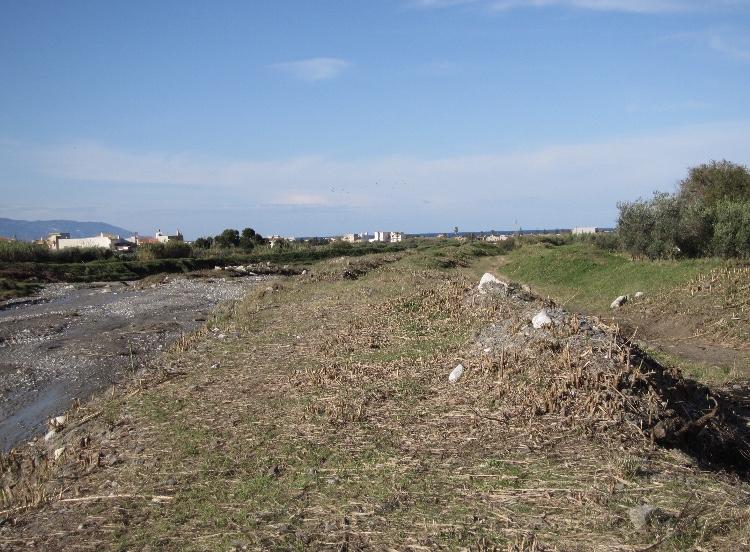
[[62, 240]]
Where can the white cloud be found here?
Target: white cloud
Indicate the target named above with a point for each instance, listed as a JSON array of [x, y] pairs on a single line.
[[313, 69], [735, 46], [632, 6], [729, 41], [597, 173]]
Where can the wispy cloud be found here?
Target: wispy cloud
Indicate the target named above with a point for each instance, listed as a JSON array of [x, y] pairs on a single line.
[[735, 46], [603, 172], [632, 6], [669, 107], [729, 41], [552, 186], [313, 69]]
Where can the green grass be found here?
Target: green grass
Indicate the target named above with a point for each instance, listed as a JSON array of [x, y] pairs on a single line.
[[589, 279], [10, 289], [706, 373]]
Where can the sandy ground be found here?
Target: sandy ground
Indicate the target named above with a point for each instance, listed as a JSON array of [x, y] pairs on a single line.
[[73, 340]]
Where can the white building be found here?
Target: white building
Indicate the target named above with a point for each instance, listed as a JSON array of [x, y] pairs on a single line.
[[493, 238], [586, 230], [387, 237], [103, 241], [164, 238]]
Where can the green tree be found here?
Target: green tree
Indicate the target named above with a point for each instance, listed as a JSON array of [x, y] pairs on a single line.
[[732, 229], [204, 243], [712, 182], [249, 238], [635, 226], [228, 238]]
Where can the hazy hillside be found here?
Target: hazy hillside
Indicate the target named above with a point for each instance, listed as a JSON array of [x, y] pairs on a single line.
[[35, 229]]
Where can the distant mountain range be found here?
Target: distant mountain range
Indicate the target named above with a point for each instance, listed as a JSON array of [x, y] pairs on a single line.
[[35, 229]]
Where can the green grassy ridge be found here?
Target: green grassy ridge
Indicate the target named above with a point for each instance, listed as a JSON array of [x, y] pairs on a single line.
[[97, 270], [10, 289], [589, 278], [17, 274]]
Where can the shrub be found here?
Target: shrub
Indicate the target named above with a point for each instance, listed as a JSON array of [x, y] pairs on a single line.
[[732, 229], [16, 252], [716, 181], [707, 215], [169, 250]]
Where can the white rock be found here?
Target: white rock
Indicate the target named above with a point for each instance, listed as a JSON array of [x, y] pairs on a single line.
[[639, 294], [541, 319], [456, 373], [620, 301], [488, 279], [489, 282], [59, 452], [304, 272], [57, 421], [218, 268], [50, 434]]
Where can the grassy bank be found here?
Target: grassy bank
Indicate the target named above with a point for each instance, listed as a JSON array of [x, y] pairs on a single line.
[[695, 315], [588, 278], [10, 289], [22, 278]]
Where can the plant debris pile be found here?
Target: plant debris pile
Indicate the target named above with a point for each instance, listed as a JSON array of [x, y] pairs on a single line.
[[587, 374]]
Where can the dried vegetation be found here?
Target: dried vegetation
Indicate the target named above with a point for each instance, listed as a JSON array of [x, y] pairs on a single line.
[[323, 419]]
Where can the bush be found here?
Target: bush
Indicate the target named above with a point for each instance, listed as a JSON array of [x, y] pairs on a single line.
[[712, 182], [707, 215], [17, 252], [606, 241], [732, 229], [169, 250]]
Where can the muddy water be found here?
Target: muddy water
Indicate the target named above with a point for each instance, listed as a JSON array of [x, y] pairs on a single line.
[[73, 341]]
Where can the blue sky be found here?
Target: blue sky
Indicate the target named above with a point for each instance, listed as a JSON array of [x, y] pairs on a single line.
[[326, 117]]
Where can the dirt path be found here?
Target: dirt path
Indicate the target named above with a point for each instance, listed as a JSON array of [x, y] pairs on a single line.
[[73, 340]]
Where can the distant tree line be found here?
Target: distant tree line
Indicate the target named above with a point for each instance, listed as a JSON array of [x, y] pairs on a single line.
[[708, 215], [246, 240]]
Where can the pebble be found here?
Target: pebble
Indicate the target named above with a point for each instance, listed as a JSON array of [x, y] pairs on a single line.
[[456, 373]]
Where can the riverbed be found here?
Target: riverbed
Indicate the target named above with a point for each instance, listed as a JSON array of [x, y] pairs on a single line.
[[71, 341]]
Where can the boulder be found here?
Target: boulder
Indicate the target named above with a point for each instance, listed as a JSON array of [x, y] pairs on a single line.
[[489, 282], [620, 301], [639, 294], [640, 516], [456, 374], [541, 319]]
